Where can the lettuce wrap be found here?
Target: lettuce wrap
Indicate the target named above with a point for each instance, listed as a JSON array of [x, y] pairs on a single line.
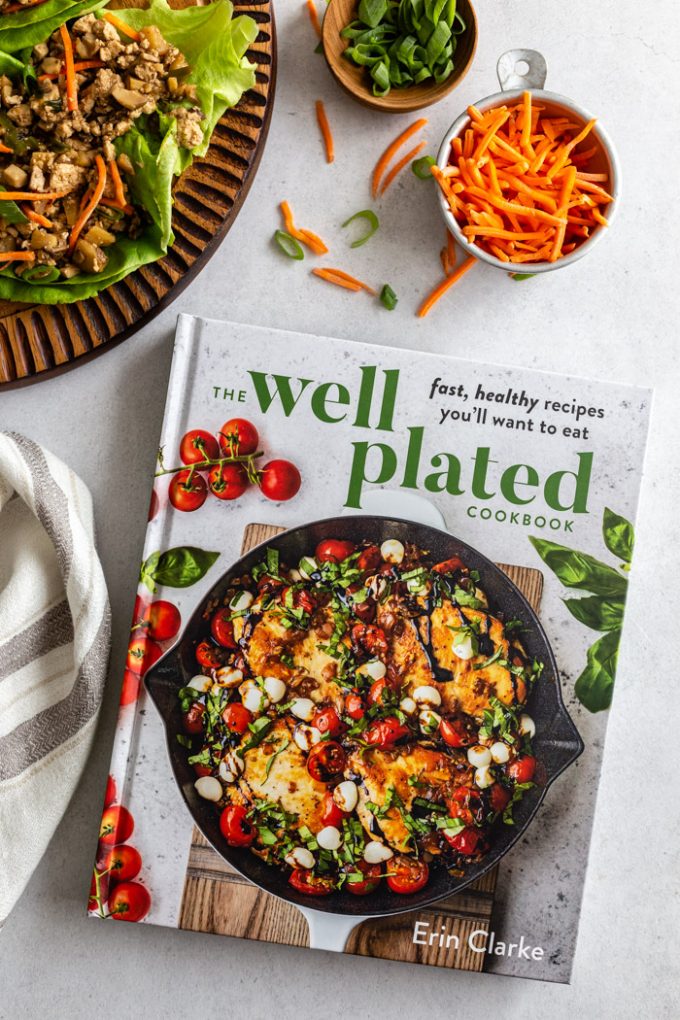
[[34, 24]]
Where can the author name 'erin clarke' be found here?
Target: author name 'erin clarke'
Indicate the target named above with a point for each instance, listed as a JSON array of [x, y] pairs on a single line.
[[478, 941]]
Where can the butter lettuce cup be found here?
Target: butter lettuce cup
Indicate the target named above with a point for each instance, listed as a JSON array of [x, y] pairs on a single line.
[[527, 201]]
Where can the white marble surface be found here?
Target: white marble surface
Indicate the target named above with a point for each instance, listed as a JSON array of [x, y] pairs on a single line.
[[612, 316]]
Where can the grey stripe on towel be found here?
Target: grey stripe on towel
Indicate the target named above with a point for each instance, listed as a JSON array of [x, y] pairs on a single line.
[[52, 630]]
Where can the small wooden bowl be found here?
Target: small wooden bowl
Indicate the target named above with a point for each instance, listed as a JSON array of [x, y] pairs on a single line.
[[355, 80]]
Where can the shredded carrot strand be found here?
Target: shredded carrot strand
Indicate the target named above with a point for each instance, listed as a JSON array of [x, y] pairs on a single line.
[[35, 217], [342, 279], [91, 205], [306, 237], [390, 151], [118, 23], [445, 285], [111, 203], [118, 189], [6, 148], [314, 17], [398, 167], [17, 256], [79, 65], [31, 196], [326, 132], [70, 71]]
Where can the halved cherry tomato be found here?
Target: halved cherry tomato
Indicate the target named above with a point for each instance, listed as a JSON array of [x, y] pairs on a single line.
[[386, 733], [235, 826], [453, 733], [369, 558], [237, 717], [306, 882], [359, 887], [354, 706], [238, 438], [117, 825], [365, 609], [499, 797], [465, 841], [325, 761], [228, 481], [163, 620], [327, 720], [465, 803], [332, 815], [129, 901], [333, 550], [187, 491], [522, 769], [141, 655], [110, 793], [198, 445], [449, 566], [202, 770], [375, 693], [369, 637], [301, 599], [129, 691], [222, 628], [192, 721], [208, 656], [407, 875], [123, 862]]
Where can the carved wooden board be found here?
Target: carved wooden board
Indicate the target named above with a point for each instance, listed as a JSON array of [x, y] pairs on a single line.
[[36, 340], [217, 899]]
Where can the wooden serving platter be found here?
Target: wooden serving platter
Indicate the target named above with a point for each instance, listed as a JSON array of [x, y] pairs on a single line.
[[217, 899], [41, 340]]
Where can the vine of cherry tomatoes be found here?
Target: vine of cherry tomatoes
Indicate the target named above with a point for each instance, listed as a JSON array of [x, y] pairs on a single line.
[[224, 466], [113, 891], [152, 622]]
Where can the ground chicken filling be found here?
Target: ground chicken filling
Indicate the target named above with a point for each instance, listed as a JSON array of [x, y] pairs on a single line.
[[57, 138]]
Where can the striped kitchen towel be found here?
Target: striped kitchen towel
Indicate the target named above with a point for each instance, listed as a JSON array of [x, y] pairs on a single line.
[[54, 648]]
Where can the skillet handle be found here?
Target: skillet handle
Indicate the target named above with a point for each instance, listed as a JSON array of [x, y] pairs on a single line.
[[533, 77], [329, 931]]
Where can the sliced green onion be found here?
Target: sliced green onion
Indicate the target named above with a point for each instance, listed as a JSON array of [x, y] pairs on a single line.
[[288, 245], [41, 274], [373, 224], [388, 298], [522, 276], [421, 167]]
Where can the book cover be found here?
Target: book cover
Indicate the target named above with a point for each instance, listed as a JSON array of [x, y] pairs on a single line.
[[373, 651]]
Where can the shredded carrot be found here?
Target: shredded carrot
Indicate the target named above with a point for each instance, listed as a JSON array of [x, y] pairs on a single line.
[[70, 71], [398, 167], [326, 132], [390, 151], [121, 26], [113, 204], [342, 279], [314, 17], [91, 205], [6, 148], [31, 196], [306, 237], [17, 256], [451, 249], [35, 217], [442, 287], [118, 189], [79, 65]]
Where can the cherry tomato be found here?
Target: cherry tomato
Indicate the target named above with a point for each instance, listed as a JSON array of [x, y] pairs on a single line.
[[499, 797], [208, 656], [202, 770], [140, 614], [164, 620], [354, 706], [122, 862], [129, 691], [465, 841], [238, 438], [328, 721], [386, 732], [332, 815], [228, 481], [154, 505], [365, 609], [129, 901], [325, 761], [449, 566], [222, 628], [465, 803], [369, 558], [235, 826], [522, 769], [198, 445], [306, 882], [375, 694], [333, 550], [369, 637], [301, 599], [407, 875], [110, 793], [141, 655], [187, 495], [192, 721], [370, 883], [237, 717], [453, 733], [117, 825], [280, 480]]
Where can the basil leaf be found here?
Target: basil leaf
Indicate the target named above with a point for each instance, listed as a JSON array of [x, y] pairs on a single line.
[[579, 570], [176, 568], [618, 534], [596, 613], [595, 685]]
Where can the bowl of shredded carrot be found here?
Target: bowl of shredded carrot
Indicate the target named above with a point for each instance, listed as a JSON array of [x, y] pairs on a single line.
[[528, 180]]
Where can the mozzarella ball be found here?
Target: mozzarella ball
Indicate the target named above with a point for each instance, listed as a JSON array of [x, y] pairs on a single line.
[[500, 752], [306, 736], [408, 706], [462, 648], [484, 777], [209, 788], [346, 795], [231, 767], [527, 726], [376, 852], [302, 708], [275, 689], [427, 695], [429, 721], [479, 756], [375, 669], [300, 857], [241, 600], [329, 838], [254, 699], [227, 677], [392, 551], [200, 683]]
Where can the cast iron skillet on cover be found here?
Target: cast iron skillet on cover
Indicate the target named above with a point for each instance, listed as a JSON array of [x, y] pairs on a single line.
[[557, 743]]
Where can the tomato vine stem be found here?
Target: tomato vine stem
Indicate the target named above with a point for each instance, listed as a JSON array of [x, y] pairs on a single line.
[[204, 465]]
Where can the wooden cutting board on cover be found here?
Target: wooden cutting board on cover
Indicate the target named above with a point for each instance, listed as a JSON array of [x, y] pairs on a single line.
[[217, 899]]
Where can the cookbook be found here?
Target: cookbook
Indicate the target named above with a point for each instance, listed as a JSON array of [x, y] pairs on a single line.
[[373, 651]]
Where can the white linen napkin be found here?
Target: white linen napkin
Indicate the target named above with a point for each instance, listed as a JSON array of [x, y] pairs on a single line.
[[54, 648]]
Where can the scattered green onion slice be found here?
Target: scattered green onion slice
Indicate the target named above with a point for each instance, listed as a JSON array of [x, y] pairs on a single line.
[[522, 276], [421, 167], [373, 224], [288, 245], [41, 274], [388, 298]]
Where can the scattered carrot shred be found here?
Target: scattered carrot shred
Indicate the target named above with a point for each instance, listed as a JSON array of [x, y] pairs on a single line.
[[122, 26], [6, 148], [93, 201], [70, 70], [326, 132], [446, 283], [398, 167], [342, 279], [314, 17], [391, 150], [118, 189], [306, 237]]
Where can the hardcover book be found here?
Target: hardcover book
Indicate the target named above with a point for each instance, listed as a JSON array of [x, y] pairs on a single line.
[[373, 651]]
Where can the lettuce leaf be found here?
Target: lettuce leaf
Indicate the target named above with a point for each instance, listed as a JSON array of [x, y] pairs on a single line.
[[214, 46], [35, 24]]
